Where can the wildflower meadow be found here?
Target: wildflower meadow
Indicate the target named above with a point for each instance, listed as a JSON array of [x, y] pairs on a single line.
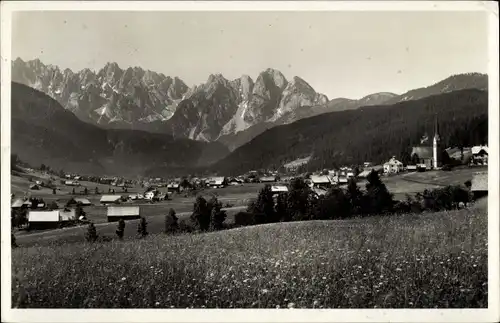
[[428, 260]]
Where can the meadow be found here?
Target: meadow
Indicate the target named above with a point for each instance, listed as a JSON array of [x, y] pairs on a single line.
[[429, 260]]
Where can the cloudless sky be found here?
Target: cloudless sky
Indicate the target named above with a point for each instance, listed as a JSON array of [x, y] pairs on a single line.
[[340, 54]]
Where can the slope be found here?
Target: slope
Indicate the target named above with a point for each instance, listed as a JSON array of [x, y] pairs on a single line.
[[44, 132], [366, 134]]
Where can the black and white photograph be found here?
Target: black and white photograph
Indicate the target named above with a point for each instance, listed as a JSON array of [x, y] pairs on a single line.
[[267, 156]]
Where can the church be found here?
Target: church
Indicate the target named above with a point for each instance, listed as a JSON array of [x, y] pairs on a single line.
[[426, 154]]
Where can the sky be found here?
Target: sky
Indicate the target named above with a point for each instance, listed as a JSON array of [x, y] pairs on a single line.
[[340, 54]]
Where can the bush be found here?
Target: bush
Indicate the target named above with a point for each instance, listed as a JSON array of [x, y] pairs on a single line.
[[185, 226], [171, 222], [377, 200], [91, 234], [245, 218]]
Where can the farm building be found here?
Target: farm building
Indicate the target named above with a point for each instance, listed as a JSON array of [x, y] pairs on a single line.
[[67, 215], [320, 181], [456, 153], [480, 184], [71, 183], [217, 182], [393, 166], [34, 187], [110, 199], [149, 195], [82, 201], [319, 191], [173, 187], [115, 213], [268, 179], [276, 189], [479, 155], [235, 181], [17, 204], [43, 219]]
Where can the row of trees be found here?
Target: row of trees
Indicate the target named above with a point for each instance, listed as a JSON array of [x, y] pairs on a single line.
[[301, 203], [142, 231]]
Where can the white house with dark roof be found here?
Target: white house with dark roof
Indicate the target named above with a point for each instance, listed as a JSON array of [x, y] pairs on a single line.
[[393, 166]]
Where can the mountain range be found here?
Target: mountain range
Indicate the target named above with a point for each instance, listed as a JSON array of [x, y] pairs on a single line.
[[232, 112], [44, 132]]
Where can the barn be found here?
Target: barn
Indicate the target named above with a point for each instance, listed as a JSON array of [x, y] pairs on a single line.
[[110, 199], [115, 213], [43, 219], [82, 201]]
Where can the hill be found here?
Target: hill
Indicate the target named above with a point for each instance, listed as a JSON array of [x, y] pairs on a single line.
[[366, 134], [358, 263], [44, 132]]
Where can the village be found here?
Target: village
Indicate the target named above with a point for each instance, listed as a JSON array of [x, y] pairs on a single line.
[[115, 198]]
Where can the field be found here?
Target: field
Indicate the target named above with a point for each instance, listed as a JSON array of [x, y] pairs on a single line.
[[409, 261]]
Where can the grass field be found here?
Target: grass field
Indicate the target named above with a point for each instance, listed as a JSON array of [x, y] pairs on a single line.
[[408, 261]]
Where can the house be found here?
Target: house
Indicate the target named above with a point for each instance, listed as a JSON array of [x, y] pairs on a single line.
[[174, 187], [235, 181], [479, 155], [110, 199], [115, 213], [320, 181], [319, 191], [71, 183], [149, 195], [479, 186], [44, 219], [82, 201], [277, 189], [67, 215], [342, 180], [393, 166], [17, 204], [34, 187], [268, 179], [217, 182], [367, 164]]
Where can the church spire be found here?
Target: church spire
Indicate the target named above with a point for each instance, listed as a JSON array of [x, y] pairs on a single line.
[[436, 128]]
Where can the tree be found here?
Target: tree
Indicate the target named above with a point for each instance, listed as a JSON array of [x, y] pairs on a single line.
[[120, 230], [334, 205], [263, 207], [378, 199], [201, 214], [53, 205], [85, 191], [171, 222], [96, 190], [298, 200], [354, 196], [91, 234], [415, 159], [142, 228], [281, 211], [42, 167], [217, 215], [73, 191], [13, 240], [54, 191], [79, 211]]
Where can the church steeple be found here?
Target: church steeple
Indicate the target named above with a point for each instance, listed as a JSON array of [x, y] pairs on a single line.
[[435, 145]]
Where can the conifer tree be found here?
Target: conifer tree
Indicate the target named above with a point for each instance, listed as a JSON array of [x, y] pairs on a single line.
[[171, 222], [142, 228], [91, 234], [120, 230]]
